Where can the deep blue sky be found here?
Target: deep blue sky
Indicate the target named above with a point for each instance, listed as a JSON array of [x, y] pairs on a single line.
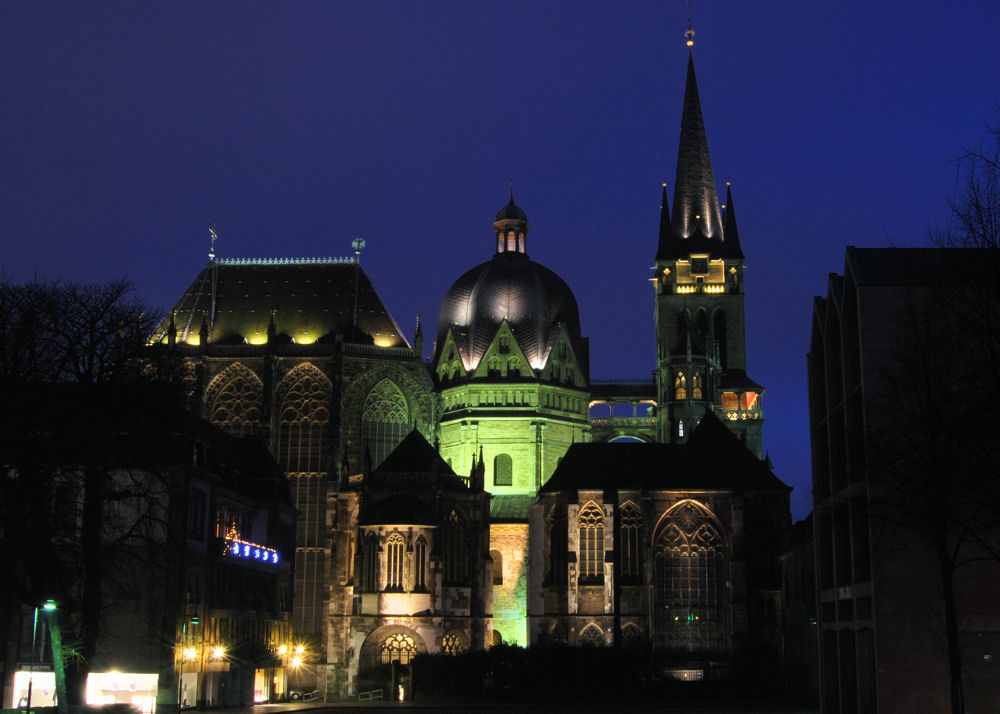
[[127, 128]]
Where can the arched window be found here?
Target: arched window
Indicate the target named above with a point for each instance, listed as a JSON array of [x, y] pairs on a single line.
[[395, 548], [452, 644], [369, 564], [591, 524], [631, 636], [558, 546], [503, 470], [696, 390], [504, 347], [420, 564], [514, 367], [397, 648], [384, 420], [680, 386], [591, 636], [303, 415], [497, 567], [493, 366], [234, 400], [454, 550], [631, 543], [690, 583]]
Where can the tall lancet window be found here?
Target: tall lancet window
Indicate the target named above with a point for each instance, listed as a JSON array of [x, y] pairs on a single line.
[[689, 583], [696, 389], [680, 386], [454, 549], [395, 548], [233, 400], [384, 420], [591, 524], [630, 543]]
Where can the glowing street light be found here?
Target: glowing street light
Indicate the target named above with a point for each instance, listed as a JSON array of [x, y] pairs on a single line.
[[218, 652], [47, 606]]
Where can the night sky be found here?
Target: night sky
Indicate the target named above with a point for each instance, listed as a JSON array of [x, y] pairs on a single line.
[[127, 129]]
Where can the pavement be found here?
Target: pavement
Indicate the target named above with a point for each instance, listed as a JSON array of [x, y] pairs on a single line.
[[480, 707]]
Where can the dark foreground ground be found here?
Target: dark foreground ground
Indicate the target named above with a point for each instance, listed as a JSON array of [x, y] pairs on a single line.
[[500, 707]]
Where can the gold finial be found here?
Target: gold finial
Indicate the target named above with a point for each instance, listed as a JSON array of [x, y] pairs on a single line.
[[690, 33], [664, 184]]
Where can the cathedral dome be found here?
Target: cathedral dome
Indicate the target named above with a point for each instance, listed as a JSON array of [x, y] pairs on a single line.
[[530, 297], [511, 212]]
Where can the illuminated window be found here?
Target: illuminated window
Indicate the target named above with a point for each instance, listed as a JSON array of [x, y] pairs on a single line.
[[591, 524], [689, 583], [234, 400], [680, 386], [749, 400], [696, 390], [591, 636], [394, 549], [630, 543], [680, 428], [384, 420], [455, 550], [730, 401], [420, 564], [503, 470], [398, 648], [452, 644]]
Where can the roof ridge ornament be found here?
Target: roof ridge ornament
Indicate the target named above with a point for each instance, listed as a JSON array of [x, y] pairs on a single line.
[[690, 32]]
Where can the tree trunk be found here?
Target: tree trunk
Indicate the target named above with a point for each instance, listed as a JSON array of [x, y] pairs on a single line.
[[58, 663], [951, 631]]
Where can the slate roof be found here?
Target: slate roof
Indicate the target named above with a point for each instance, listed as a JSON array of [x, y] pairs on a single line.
[[713, 458], [310, 298]]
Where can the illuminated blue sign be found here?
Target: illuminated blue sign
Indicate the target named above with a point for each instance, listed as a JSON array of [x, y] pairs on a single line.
[[251, 551]]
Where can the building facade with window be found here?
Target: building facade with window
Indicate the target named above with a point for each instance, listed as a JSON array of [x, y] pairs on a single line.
[[666, 547], [411, 570], [304, 356]]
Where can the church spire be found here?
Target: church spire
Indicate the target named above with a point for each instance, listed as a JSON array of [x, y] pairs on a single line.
[[732, 243], [663, 247], [696, 215]]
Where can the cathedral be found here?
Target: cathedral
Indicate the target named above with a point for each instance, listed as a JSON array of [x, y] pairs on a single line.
[[481, 497]]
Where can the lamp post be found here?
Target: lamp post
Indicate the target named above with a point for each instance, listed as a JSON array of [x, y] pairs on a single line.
[[49, 606]]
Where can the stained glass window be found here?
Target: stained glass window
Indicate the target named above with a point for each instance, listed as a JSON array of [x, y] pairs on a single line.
[[234, 400], [503, 470], [630, 519], [591, 523], [690, 583], [453, 547], [395, 547], [397, 648], [384, 420]]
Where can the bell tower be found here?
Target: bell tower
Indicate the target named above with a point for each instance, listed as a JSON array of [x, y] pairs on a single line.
[[700, 327]]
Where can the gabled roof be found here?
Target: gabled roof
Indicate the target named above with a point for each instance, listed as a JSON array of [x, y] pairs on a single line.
[[415, 455], [713, 458], [311, 299]]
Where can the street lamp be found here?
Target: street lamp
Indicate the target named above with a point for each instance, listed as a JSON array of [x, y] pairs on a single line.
[[48, 606]]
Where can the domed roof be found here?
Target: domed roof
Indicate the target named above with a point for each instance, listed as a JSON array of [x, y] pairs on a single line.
[[511, 212], [530, 297]]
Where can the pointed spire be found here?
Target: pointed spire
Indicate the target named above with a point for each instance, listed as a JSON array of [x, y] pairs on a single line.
[[666, 231], [696, 206], [730, 233], [418, 339]]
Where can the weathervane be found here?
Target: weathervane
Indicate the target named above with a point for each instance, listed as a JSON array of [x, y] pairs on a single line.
[[690, 32]]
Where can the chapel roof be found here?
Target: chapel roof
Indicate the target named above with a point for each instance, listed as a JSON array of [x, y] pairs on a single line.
[[713, 458]]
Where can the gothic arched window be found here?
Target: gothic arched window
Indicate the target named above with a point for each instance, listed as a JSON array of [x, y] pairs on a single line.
[[721, 337], [504, 347], [591, 524], [591, 636], [420, 564], [384, 420], [503, 470], [397, 648], [680, 386], [558, 546], [696, 388], [454, 550], [514, 367], [303, 414], [452, 644], [493, 366], [395, 549], [369, 564], [234, 400], [630, 520], [689, 582]]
